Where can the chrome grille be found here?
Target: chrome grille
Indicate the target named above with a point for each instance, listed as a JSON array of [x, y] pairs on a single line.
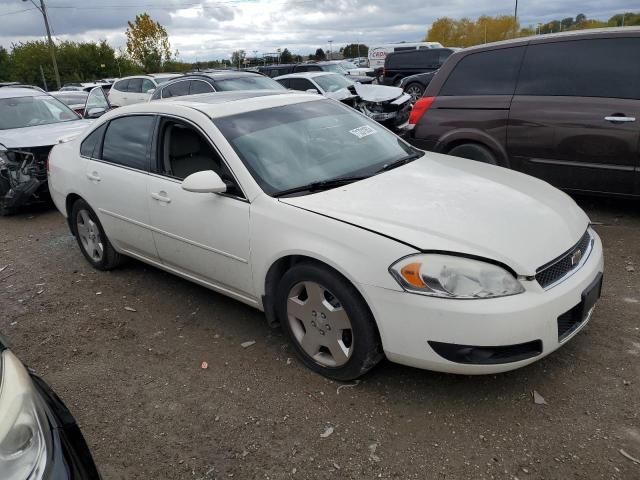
[[554, 271]]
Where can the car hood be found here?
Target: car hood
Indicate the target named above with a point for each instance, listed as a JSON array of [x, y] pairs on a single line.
[[359, 71], [341, 94], [450, 204], [377, 93], [41, 135]]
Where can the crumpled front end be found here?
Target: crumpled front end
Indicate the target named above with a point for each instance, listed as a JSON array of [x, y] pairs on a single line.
[[23, 177], [389, 106]]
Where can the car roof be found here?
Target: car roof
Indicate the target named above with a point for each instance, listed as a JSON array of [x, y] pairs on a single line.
[[13, 92], [553, 37], [234, 102], [151, 75], [306, 75]]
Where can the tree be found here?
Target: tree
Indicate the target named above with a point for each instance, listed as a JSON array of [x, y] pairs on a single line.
[[5, 65], [566, 23], [466, 32], [237, 58], [627, 19], [354, 50], [581, 17], [320, 55], [148, 43], [285, 56]]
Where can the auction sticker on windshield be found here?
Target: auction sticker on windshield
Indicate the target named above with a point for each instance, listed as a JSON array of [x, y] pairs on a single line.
[[362, 131]]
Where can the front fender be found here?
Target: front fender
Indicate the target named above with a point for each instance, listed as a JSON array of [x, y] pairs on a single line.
[[472, 135]]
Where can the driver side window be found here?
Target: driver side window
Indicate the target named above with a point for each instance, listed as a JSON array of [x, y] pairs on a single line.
[[183, 151]]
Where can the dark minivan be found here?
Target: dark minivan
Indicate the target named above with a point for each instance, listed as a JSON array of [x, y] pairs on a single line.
[[561, 107], [401, 64]]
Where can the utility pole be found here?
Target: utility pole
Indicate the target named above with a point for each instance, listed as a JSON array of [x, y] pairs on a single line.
[[330, 50], [43, 11]]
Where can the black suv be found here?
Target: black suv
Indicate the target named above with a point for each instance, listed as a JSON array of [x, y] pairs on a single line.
[[398, 65]]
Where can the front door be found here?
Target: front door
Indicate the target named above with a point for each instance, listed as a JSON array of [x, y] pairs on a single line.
[[575, 118], [202, 235], [116, 179]]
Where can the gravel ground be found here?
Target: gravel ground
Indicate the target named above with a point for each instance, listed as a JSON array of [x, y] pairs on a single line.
[[133, 379]]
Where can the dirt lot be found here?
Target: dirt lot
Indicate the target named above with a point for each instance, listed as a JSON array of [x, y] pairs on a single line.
[[148, 410]]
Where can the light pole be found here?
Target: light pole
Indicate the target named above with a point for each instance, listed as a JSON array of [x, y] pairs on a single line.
[[330, 51], [43, 10]]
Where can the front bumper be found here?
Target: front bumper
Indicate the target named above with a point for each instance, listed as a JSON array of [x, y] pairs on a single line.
[[408, 322], [69, 455]]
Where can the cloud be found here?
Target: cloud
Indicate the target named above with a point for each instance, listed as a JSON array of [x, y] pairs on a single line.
[[207, 29]]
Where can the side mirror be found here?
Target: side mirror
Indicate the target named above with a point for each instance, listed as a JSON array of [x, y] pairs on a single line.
[[95, 112], [311, 90], [206, 181]]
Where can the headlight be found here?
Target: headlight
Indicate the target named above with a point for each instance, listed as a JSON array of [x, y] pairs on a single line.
[[449, 276], [24, 428]]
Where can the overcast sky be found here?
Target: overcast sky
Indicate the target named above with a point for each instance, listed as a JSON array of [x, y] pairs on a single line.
[[209, 29]]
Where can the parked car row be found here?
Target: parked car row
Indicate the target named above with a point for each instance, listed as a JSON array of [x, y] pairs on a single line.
[[354, 73]]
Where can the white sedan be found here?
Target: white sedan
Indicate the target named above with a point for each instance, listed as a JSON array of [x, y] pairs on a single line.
[[358, 244]]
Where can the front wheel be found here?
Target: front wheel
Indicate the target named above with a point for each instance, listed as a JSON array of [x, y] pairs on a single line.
[[92, 239], [329, 324]]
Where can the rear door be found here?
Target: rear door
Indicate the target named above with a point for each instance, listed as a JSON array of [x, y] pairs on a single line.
[[575, 118], [117, 173], [134, 92]]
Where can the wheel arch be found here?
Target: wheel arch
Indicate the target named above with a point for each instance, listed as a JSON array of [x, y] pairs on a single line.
[[280, 266], [69, 201], [479, 137]]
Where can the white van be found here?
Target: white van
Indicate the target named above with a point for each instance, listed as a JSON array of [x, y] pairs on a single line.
[[379, 53]]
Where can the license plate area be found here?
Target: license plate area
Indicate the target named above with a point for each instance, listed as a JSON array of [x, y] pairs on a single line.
[[569, 321]]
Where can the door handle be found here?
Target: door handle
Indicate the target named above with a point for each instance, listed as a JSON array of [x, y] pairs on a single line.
[[93, 176], [161, 197], [620, 119]]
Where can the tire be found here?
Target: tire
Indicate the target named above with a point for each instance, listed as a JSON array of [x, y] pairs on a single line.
[[348, 345], [473, 151], [415, 90], [92, 240]]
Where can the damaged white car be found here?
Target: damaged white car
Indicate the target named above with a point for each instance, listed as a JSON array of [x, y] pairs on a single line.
[[389, 106], [31, 122]]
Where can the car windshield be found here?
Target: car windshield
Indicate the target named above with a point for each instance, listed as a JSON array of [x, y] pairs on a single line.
[[20, 112], [348, 65], [335, 68], [332, 82], [295, 145], [257, 82]]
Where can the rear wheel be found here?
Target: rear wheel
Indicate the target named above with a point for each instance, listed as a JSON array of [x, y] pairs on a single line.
[[473, 151], [92, 239], [415, 90], [331, 328]]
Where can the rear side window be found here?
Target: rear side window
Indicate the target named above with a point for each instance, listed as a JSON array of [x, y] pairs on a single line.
[[285, 82], [198, 86], [301, 84], [88, 147], [121, 85], [135, 85], [177, 89], [492, 72], [607, 68], [127, 140]]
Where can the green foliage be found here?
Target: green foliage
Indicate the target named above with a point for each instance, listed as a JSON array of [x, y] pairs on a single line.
[[5, 65], [148, 43], [285, 56], [627, 19], [320, 55], [352, 50]]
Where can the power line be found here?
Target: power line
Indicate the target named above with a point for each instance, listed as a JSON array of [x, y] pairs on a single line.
[[17, 11]]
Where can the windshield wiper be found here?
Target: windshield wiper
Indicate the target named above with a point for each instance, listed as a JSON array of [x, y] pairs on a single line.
[[321, 185], [399, 162]]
